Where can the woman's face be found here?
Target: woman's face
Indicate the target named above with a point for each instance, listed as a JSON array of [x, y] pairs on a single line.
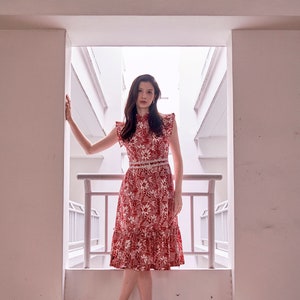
[[146, 95]]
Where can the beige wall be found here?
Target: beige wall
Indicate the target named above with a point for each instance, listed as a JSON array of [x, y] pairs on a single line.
[[32, 85], [154, 7], [266, 128], [167, 285]]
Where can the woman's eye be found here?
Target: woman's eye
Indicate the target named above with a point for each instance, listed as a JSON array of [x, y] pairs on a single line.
[[148, 92]]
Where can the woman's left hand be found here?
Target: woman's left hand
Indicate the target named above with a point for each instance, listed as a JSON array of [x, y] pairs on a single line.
[[178, 204]]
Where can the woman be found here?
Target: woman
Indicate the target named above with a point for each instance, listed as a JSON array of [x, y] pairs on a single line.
[[146, 234]]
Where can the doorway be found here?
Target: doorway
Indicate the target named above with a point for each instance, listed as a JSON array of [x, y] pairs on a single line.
[[193, 84]]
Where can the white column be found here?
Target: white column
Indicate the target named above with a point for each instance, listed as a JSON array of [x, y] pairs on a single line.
[[265, 104], [32, 88]]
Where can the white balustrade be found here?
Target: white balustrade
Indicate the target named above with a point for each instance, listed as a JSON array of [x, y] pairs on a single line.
[[209, 193]]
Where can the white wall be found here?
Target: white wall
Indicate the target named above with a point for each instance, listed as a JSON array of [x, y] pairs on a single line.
[[110, 65], [191, 65], [32, 87], [108, 161], [266, 130]]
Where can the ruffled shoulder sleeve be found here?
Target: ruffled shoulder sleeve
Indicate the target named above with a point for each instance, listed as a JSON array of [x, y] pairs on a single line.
[[119, 126], [168, 124]]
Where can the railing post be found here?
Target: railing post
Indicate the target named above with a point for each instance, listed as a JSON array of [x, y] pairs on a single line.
[[87, 223], [192, 223], [211, 224], [106, 224]]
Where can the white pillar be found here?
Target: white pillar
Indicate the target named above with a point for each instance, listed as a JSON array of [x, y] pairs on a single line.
[[32, 87], [265, 105]]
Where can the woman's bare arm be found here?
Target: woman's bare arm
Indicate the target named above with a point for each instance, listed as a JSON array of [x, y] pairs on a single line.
[[178, 167], [88, 147]]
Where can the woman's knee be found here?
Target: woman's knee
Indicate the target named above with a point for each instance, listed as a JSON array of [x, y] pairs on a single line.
[[144, 275]]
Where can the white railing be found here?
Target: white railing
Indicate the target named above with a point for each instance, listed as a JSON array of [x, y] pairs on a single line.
[[76, 225], [221, 226], [209, 193]]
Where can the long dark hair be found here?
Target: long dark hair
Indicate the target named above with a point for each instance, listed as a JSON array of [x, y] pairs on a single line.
[[130, 111]]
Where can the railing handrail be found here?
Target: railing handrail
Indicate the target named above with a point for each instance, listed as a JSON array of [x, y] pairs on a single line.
[[114, 176], [209, 177]]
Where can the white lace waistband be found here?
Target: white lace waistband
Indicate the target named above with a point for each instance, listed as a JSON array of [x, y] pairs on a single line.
[[148, 163]]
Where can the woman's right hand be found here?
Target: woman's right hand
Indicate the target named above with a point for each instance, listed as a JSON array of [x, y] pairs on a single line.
[[68, 108], [89, 147]]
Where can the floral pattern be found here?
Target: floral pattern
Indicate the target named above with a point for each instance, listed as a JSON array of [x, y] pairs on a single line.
[[146, 234]]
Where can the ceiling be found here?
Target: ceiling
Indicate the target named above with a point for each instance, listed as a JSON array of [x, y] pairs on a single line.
[[148, 30]]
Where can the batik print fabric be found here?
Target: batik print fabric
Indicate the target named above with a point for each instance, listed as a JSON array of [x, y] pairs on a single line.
[[146, 234]]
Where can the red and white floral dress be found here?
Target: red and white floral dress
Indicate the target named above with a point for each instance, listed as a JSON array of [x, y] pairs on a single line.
[[146, 234]]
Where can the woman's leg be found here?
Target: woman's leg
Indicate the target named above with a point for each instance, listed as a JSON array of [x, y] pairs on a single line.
[[144, 282], [130, 278]]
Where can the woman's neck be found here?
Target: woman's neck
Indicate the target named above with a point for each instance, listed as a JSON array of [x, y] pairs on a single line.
[[142, 112]]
